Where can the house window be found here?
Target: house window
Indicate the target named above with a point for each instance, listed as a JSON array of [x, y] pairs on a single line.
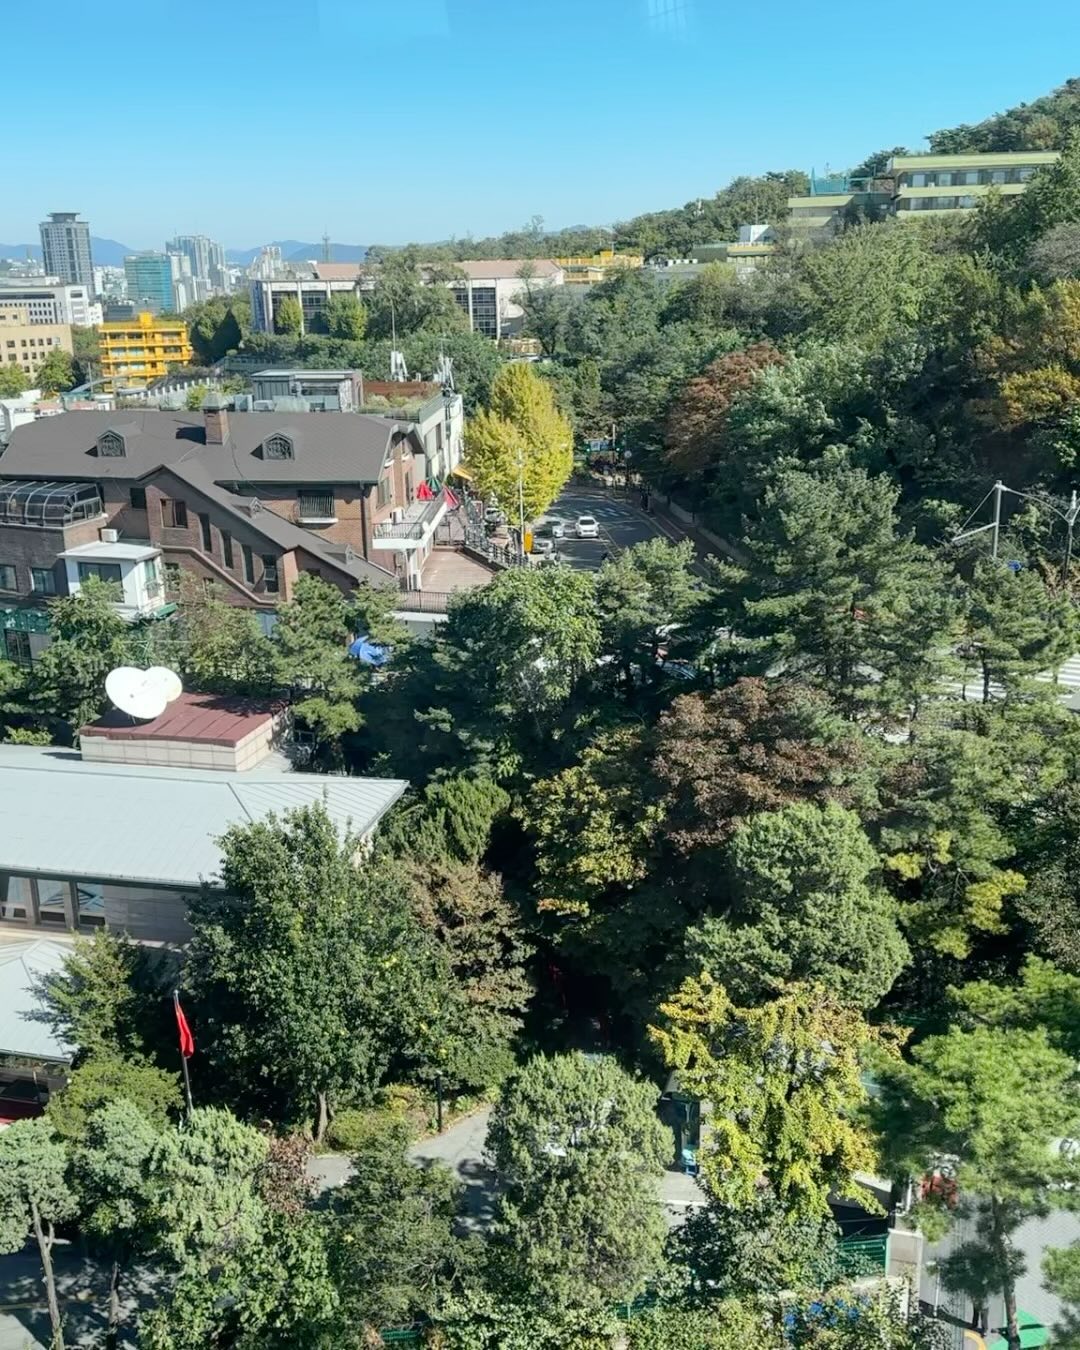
[[226, 548], [206, 533], [16, 898], [103, 571], [173, 514], [385, 491], [90, 904], [8, 580], [17, 647], [277, 447], [249, 566], [270, 573], [53, 899], [111, 445], [137, 497], [43, 580], [316, 505]]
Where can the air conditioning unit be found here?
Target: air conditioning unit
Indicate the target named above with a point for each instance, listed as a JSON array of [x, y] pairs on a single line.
[[398, 515], [110, 536]]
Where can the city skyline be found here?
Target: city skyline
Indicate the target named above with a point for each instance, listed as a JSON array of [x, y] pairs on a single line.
[[551, 121]]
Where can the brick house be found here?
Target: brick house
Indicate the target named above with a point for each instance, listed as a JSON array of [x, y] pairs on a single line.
[[248, 499]]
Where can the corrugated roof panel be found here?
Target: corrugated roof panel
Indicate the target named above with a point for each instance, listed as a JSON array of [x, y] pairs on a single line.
[[66, 817]]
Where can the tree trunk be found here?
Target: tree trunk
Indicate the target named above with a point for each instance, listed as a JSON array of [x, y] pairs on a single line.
[[1008, 1285], [112, 1335], [322, 1117], [45, 1243]]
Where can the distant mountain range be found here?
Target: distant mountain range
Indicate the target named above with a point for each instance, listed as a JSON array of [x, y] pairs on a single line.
[[105, 252], [296, 250], [110, 253]]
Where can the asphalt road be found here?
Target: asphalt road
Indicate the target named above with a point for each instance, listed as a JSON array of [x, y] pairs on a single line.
[[621, 524]]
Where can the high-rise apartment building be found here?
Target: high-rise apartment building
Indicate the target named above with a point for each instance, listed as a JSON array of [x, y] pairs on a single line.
[[150, 281], [65, 244], [206, 256]]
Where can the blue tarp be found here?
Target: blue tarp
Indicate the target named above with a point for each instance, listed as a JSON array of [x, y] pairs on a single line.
[[371, 653]]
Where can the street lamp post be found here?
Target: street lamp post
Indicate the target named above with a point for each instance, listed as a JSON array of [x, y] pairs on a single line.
[[521, 495]]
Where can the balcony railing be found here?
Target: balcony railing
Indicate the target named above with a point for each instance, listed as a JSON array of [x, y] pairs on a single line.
[[426, 602], [419, 519]]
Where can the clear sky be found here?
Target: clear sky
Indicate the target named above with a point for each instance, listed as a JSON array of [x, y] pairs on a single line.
[[386, 122]]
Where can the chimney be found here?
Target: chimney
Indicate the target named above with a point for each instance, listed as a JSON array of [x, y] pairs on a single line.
[[216, 415]]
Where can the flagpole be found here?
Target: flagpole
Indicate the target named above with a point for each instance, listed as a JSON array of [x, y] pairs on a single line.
[[183, 1057]]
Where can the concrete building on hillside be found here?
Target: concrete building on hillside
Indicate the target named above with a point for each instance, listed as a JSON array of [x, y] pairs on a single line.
[[490, 290], [25, 344], [65, 246], [311, 286], [52, 302], [597, 267], [832, 201], [943, 184], [134, 352]]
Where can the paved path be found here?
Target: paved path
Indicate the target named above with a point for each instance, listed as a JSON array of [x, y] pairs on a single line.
[[461, 1148]]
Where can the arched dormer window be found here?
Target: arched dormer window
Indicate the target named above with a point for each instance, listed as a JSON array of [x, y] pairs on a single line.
[[278, 446], [111, 445]]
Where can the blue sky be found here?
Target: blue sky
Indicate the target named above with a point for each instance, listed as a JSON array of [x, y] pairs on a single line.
[[428, 118]]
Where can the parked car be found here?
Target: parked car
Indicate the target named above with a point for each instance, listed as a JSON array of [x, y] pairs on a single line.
[[493, 515], [587, 527], [542, 546]]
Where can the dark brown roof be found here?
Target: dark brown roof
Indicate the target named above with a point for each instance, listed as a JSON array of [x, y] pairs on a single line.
[[205, 719], [279, 530], [327, 447]]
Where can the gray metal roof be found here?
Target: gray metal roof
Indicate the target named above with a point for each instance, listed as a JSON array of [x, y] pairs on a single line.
[[328, 447], [22, 965], [65, 817]]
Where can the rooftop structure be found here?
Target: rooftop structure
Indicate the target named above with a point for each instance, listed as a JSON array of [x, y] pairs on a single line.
[[199, 731], [88, 844]]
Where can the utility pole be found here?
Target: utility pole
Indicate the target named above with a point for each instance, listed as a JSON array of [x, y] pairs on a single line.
[[521, 494], [998, 488], [1070, 520]]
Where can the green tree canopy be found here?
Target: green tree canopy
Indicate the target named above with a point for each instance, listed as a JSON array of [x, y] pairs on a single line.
[[806, 907], [580, 1148], [297, 969], [997, 1100]]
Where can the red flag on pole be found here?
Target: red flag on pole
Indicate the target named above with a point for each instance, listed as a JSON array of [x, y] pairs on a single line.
[[187, 1040]]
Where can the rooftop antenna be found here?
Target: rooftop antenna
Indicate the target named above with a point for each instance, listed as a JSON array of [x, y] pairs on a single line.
[[142, 694], [444, 372]]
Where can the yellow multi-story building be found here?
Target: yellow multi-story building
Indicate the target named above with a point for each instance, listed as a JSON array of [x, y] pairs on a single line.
[[25, 344], [135, 352], [588, 271]]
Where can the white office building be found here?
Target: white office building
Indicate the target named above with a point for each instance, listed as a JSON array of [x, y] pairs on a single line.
[[52, 302]]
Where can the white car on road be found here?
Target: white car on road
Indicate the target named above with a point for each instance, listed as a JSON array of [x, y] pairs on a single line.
[[542, 546], [587, 527]]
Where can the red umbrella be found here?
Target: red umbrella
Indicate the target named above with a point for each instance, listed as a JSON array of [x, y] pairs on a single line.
[[424, 493]]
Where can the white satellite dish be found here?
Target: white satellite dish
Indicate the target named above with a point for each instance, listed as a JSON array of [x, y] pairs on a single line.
[[144, 694], [167, 680]]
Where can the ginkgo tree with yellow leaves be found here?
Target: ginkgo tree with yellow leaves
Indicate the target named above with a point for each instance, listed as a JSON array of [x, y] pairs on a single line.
[[520, 436], [783, 1083]]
